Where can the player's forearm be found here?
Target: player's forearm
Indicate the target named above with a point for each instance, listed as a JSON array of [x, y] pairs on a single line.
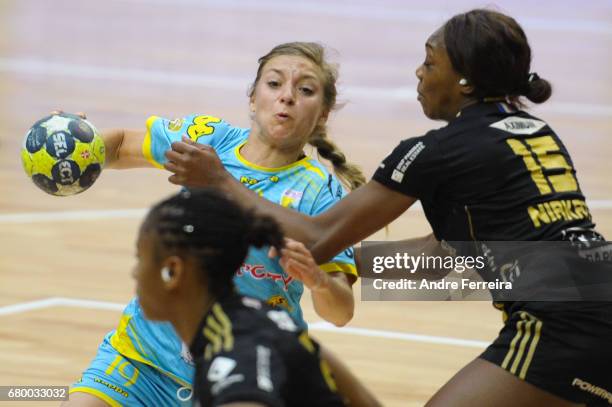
[[334, 301], [124, 149], [358, 215], [113, 139]]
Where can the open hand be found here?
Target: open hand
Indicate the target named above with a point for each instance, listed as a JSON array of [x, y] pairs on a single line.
[[298, 262]]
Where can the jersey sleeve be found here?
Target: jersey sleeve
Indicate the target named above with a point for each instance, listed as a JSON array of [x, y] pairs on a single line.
[[161, 133], [331, 193], [253, 371], [413, 168]]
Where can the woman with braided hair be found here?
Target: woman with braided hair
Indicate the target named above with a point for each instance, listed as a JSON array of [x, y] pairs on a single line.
[[290, 100]]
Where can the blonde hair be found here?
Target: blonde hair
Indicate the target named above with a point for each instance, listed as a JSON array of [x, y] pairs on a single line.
[[350, 174]]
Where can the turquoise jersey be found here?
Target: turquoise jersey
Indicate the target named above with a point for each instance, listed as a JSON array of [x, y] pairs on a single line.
[[305, 186]]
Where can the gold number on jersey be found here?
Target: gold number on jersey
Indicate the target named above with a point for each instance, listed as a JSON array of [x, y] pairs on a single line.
[[123, 369], [548, 155]]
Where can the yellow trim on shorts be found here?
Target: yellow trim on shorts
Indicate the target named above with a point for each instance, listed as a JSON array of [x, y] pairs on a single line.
[[146, 144], [339, 268], [527, 339], [96, 393]]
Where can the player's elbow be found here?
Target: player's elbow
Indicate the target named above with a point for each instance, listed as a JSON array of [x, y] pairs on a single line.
[[344, 318]]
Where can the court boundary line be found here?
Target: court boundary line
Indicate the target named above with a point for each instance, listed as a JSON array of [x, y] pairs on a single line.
[[138, 213], [320, 326]]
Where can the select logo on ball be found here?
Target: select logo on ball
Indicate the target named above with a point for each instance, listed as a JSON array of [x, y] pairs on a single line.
[[60, 144], [65, 172]]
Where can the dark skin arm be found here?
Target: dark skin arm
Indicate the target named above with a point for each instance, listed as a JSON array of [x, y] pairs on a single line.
[[355, 217], [425, 245]]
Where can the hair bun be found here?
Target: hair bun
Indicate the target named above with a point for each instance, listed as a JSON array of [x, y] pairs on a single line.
[[538, 90]]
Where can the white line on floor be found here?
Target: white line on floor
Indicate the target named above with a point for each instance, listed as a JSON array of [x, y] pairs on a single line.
[[316, 326], [61, 216]]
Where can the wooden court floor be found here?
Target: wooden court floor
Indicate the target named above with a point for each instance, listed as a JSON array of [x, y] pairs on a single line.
[[65, 262]]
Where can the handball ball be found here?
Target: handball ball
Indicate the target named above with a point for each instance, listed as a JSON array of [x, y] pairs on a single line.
[[63, 154]]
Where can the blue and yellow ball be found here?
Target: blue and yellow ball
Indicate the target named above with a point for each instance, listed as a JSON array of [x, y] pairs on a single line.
[[63, 154]]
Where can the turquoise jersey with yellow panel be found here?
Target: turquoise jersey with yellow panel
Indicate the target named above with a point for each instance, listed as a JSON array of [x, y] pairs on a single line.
[[305, 186]]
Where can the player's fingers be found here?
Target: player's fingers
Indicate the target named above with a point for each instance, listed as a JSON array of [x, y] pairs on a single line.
[[175, 179], [189, 141], [81, 115], [294, 269], [174, 156], [172, 167], [57, 111], [185, 148], [298, 255], [295, 245], [272, 253]]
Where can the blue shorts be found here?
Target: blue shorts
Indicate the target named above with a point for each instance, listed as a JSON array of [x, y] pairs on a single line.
[[121, 381]]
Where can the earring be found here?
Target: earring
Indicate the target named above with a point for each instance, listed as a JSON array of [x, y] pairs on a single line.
[[166, 274], [463, 82]]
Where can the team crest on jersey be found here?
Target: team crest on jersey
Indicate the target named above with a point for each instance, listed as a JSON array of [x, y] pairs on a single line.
[[519, 125], [279, 301], [291, 198], [175, 125]]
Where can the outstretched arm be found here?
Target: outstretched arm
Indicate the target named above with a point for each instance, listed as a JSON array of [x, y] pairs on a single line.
[[124, 149], [358, 215]]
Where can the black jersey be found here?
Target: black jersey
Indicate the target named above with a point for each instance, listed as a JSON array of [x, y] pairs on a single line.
[[493, 173], [247, 351]]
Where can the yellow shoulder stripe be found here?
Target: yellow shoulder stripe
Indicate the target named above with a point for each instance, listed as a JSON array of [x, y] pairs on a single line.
[[146, 144], [310, 167]]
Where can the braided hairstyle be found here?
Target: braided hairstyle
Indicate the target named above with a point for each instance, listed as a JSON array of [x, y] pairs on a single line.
[[214, 230], [350, 174], [491, 51]]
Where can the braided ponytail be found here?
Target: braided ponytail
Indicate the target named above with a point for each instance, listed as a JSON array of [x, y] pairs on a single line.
[[350, 174]]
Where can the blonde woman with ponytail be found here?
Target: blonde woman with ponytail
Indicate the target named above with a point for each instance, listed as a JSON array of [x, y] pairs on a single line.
[[290, 100]]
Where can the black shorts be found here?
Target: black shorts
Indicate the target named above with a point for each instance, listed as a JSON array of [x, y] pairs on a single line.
[[563, 348]]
